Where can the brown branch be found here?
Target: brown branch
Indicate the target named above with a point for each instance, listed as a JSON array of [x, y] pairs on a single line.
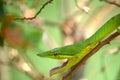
[[111, 2], [30, 18], [18, 61], [99, 46]]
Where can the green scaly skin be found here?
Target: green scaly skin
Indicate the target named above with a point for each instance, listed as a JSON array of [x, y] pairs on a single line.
[[78, 51]]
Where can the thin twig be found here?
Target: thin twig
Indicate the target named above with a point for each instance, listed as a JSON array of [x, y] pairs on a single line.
[[99, 46], [30, 18], [83, 6], [111, 2]]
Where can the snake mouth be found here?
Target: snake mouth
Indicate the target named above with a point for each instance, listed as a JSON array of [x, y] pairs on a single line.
[[54, 70]]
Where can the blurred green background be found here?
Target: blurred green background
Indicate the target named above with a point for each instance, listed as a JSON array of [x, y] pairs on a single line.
[[61, 22]]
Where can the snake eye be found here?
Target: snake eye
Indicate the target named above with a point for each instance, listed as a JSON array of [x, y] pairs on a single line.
[[55, 53]]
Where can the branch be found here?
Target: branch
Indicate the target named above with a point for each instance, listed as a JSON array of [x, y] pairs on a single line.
[[83, 6], [30, 18], [99, 46], [22, 63], [111, 2]]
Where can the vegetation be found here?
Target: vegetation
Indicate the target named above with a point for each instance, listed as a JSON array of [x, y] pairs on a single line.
[[29, 27]]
